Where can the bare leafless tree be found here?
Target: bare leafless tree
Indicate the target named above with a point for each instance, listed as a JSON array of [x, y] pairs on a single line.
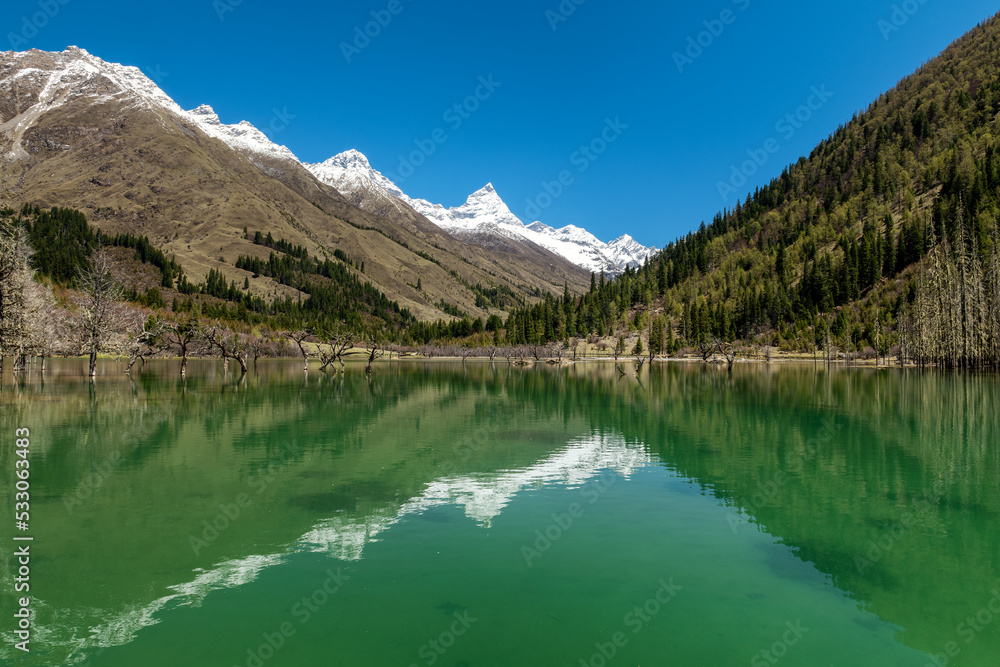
[[185, 336], [338, 345], [727, 350], [142, 341], [954, 322], [993, 298], [228, 344], [53, 331], [375, 350], [100, 317], [257, 347], [706, 347], [16, 279], [300, 338]]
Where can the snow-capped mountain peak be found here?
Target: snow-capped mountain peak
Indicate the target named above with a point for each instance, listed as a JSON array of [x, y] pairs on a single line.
[[626, 248], [484, 206], [76, 74], [350, 159], [242, 136], [485, 214], [206, 114], [351, 173]]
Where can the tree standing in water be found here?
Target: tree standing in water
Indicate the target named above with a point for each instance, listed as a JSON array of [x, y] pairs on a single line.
[[100, 317]]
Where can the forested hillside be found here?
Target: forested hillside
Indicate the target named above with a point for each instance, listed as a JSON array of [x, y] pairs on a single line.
[[332, 296], [884, 239], [883, 242]]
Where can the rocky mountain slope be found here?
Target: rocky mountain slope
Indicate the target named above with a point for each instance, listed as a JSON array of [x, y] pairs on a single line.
[[101, 137]]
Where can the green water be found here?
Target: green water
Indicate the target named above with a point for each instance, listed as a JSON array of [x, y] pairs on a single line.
[[441, 515]]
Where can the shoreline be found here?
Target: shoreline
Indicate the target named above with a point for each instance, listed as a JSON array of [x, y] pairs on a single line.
[[360, 358]]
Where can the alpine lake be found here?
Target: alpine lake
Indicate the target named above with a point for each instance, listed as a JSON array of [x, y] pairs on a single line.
[[484, 515]]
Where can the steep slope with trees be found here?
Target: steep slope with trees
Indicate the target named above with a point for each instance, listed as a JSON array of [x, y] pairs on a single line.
[[885, 238]]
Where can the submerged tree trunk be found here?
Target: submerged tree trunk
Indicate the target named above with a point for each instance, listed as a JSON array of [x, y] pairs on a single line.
[[131, 363]]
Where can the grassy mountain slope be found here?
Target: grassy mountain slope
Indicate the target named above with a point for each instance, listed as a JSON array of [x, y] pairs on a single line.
[[138, 169]]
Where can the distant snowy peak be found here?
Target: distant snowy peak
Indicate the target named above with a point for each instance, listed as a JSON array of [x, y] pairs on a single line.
[[567, 234], [75, 74], [626, 251], [485, 214], [350, 172], [206, 115], [590, 252], [485, 206], [242, 136]]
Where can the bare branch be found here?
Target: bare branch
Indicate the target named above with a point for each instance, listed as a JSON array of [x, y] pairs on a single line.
[[228, 344], [338, 345], [300, 338], [376, 350], [183, 335]]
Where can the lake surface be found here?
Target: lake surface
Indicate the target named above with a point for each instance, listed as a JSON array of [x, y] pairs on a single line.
[[491, 516]]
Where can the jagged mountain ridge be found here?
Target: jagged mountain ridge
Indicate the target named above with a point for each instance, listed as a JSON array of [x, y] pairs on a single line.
[[353, 176], [101, 137], [483, 215], [483, 218]]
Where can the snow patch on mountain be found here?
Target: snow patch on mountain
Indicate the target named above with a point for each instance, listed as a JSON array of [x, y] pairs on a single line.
[[350, 171], [52, 79], [486, 214], [76, 73], [242, 136]]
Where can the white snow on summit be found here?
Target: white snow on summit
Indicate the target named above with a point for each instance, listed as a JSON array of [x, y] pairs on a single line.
[[242, 136], [78, 74], [57, 78], [484, 207], [485, 213], [350, 172]]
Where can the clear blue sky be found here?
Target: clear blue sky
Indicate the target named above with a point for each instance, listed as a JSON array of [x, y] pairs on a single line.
[[560, 81]]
